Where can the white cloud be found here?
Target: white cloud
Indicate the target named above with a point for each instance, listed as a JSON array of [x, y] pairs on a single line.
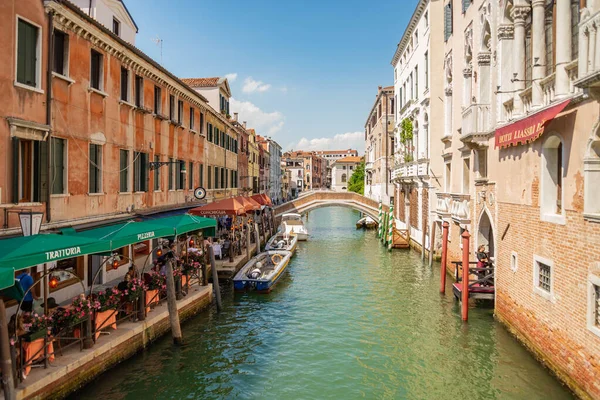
[[265, 123], [231, 77], [284, 89], [251, 85], [341, 141]]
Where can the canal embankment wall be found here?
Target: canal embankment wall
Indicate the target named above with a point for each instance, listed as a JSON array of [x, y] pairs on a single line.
[[75, 368]]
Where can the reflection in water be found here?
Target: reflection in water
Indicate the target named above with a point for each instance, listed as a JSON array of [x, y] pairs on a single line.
[[349, 320]]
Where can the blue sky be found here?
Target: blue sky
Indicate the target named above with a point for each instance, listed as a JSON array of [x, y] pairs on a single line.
[[306, 72]]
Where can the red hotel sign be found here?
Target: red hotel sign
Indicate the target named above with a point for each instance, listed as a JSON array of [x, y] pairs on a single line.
[[529, 129]]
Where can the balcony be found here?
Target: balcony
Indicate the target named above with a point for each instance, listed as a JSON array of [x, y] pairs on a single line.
[[461, 208], [444, 205], [589, 60], [369, 166], [408, 171], [476, 123], [526, 98], [548, 88]]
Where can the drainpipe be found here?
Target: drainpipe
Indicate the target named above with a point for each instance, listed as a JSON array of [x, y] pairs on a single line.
[[49, 108], [387, 147]]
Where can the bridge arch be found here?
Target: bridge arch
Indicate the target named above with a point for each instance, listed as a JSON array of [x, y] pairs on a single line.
[[319, 199]]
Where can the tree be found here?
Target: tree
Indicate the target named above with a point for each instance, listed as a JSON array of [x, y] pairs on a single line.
[[357, 180]]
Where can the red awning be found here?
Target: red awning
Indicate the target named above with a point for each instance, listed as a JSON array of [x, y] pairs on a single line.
[[528, 129], [221, 207], [249, 204], [262, 199]]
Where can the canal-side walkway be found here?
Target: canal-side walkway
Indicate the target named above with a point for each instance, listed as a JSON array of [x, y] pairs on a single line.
[[74, 368]]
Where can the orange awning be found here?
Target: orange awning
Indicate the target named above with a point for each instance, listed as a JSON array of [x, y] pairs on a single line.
[[249, 204], [262, 199], [221, 207], [528, 129]]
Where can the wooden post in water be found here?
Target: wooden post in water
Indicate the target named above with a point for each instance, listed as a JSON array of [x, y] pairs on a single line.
[[432, 243], [248, 242], [257, 238], [445, 228], [203, 266], [215, 275], [423, 238], [465, 276], [5, 359], [172, 304]]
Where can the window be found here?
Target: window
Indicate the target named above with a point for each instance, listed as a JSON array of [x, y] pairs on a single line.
[[210, 132], [528, 55], [426, 18], [223, 179], [58, 176], [543, 277], [140, 172], [201, 175], [447, 21], [139, 91], [575, 14], [416, 81], [157, 100], [466, 175], [60, 63], [482, 163], [192, 118], [172, 108], [124, 84], [209, 173], [180, 112], [30, 157], [28, 54], [426, 70], [95, 168], [548, 28], [593, 320], [191, 176], [447, 176], [157, 175], [123, 171], [412, 92], [416, 37], [171, 172], [201, 122], [96, 70], [116, 27], [216, 182], [343, 178], [179, 171], [514, 261], [551, 183], [465, 5]]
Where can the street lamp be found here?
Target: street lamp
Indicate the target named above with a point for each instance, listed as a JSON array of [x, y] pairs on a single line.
[[31, 222], [157, 164]]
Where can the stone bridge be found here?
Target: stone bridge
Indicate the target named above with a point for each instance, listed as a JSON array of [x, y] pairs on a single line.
[[308, 201]]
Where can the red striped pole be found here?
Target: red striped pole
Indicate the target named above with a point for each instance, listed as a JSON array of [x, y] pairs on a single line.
[[445, 227], [465, 276]]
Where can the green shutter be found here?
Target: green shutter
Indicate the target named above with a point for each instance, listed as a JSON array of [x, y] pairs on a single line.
[[58, 166], [27, 53]]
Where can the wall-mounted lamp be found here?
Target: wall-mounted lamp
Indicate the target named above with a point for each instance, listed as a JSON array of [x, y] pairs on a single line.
[[157, 164]]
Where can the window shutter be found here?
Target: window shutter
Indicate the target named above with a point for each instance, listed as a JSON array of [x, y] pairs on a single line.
[[26, 53]]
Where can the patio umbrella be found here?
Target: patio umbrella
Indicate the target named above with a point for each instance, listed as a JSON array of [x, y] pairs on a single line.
[[262, 199], [249, 204], [222, 207]]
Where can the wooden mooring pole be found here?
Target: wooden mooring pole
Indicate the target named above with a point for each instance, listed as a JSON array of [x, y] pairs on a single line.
[[5, 359], [445, 228], [432, 243], [172, 304], [215, 275], [465, 276], [247, 242]]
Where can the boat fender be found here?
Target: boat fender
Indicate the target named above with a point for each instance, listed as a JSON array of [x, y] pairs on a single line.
[[255, 273], [280, 244], [276, 256]]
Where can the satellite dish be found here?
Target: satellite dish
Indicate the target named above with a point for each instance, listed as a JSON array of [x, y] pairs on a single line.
[[199, 193]]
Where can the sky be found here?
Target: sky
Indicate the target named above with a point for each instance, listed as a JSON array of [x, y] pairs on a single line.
[[302, 72]]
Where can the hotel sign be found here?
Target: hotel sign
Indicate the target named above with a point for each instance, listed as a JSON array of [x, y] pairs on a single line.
[[528, 129]]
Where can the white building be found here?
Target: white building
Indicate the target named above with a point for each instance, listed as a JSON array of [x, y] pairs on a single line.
[[296, 167], [341, 171], [113, 14], [418, 89], [216, 90]]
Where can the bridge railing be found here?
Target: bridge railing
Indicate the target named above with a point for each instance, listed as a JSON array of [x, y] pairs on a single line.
[[323, 196]]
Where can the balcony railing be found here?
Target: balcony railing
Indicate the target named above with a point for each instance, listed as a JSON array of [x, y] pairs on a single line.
[[410, 170], [589, 59], [369, 166], [476, 119], [526, 98], [547, 85], [461, 208], [444, 204]]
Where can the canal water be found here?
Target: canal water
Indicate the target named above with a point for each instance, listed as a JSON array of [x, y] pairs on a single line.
[[348, 321]]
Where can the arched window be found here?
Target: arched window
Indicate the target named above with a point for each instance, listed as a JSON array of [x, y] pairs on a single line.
[[591, 184], [551, 199], [343, 178]]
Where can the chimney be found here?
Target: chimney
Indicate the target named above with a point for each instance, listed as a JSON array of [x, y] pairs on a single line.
[[235, 117], [244, 124]]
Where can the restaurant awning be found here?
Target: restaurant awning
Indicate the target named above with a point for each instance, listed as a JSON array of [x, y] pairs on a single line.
[[249, 203], [26, 251], [528, 129], [120, 235], [262, 199], [185, 223], [219, 208]]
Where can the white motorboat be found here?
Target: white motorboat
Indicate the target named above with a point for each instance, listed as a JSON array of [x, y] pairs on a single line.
[[263, 271], [292, 224], [282, 242]]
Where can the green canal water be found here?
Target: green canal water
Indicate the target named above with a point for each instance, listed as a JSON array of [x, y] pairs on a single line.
[[349, 320]]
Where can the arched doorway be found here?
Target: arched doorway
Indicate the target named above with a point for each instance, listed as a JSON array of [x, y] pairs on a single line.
[[485, 234]]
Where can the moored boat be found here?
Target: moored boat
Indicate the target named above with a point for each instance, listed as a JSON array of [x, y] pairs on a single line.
[[282, 241], [263, 271], [366, 223], [292, 223]]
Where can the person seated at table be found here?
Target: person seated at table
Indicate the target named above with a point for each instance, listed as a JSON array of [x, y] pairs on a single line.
[[131, 274]]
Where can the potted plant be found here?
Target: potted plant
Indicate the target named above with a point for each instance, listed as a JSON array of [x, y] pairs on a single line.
[[36, 326], [156, 281], [108, 300], [135, 288]]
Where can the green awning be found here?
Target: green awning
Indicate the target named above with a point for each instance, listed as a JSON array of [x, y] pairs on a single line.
[[121, 235], [186, 223], [26, 251]]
